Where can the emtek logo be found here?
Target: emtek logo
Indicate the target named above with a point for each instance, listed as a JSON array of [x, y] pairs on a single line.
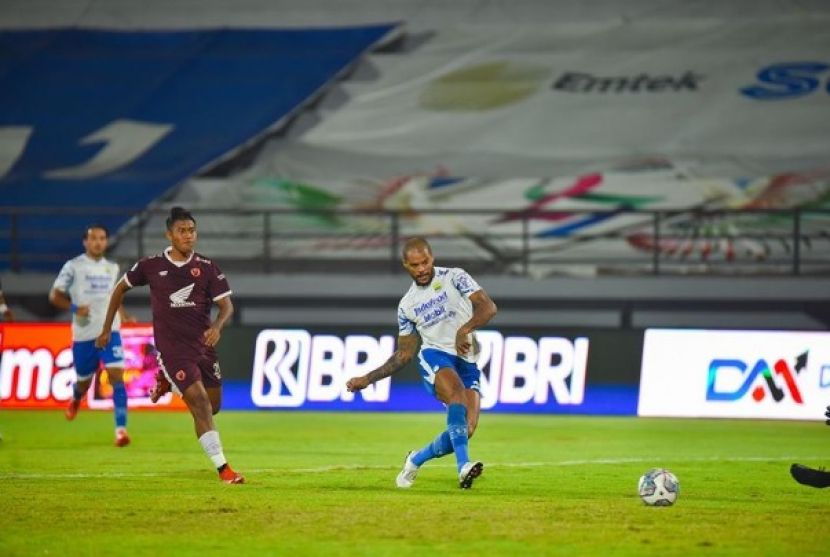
[[731, 380], [788, 81], [578, 82]]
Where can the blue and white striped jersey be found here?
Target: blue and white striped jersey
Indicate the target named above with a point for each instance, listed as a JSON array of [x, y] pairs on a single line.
[[436, 311], [88, 282]]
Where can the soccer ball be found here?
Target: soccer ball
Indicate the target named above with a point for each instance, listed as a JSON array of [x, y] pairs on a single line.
[[658, 488]]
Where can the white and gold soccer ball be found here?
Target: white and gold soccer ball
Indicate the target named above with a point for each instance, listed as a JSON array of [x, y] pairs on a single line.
[[658, 488]]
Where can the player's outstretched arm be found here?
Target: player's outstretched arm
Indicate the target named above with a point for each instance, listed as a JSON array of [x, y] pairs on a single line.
[[213, 333], [62, 301], [116, 300], [407, 345], [8, 314], [484, 309], [126, 317]]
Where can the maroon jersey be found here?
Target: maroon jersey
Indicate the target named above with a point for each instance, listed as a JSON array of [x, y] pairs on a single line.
[[181, 296]]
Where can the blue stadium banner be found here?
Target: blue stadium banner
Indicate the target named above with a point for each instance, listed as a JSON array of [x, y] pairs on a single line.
[[115, 119]]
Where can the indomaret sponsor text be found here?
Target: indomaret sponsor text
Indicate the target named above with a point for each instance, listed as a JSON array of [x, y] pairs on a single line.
[[37, 368]]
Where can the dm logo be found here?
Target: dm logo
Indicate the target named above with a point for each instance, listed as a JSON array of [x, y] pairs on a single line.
[[759, 379]]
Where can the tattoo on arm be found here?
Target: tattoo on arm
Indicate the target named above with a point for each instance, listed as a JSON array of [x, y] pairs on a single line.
[[406, 350]]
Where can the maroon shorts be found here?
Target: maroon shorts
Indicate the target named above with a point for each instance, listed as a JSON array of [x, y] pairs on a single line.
[[183, 372]]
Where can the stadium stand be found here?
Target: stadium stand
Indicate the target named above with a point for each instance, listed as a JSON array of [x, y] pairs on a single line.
[[530, 139]]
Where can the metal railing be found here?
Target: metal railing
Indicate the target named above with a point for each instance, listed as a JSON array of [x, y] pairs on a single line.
[[522, 242]]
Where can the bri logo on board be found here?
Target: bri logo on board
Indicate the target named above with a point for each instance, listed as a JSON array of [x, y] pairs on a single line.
[[293, 367], [731, 379]]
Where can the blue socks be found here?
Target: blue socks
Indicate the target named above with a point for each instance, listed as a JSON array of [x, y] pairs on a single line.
[[76, 394], [119, 400], [439, 447], [454, 439], [457, 429]]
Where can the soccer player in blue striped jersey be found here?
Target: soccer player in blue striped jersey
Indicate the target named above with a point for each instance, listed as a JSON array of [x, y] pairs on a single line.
[[7, 314], [83, 287], [444, 306]]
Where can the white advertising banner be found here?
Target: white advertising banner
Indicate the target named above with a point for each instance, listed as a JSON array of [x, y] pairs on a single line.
[[595, 92], [568, 136], [735, 374]]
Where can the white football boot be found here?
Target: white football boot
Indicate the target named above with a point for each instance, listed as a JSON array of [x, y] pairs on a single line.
[[407, 475], [469, 472]]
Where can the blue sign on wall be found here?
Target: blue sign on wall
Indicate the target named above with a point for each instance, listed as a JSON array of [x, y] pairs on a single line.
[[600, 400], [115, 119]]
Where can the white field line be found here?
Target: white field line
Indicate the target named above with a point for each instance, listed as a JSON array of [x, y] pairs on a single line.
[[346, 467], [323, 469]]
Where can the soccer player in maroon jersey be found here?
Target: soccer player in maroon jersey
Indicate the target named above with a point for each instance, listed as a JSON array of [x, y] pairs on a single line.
[[183, 287]]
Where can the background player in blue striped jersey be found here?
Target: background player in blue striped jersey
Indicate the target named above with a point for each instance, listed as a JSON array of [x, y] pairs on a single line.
[[8, 315], [444, 306], [83, 287]]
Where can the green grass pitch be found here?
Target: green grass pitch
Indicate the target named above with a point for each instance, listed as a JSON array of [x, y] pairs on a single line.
[[323, 484]]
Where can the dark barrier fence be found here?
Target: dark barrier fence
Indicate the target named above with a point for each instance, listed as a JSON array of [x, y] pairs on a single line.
[[620, 241]]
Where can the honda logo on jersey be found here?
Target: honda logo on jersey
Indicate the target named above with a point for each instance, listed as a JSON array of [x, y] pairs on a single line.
[[179, 298]]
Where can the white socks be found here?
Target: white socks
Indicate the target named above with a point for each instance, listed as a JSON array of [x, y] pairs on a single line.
[[213, 447]]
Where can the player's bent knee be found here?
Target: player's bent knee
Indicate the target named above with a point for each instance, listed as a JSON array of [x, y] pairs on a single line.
[[215, 403], [115, 374], [457, 398], [215, 396]]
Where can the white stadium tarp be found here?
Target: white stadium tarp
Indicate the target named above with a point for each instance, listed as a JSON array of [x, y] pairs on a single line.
[[419, 15], [585, 121], [729, 98]]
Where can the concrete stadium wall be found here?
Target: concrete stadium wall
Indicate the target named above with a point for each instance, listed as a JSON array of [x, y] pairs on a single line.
[[791, 303]]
